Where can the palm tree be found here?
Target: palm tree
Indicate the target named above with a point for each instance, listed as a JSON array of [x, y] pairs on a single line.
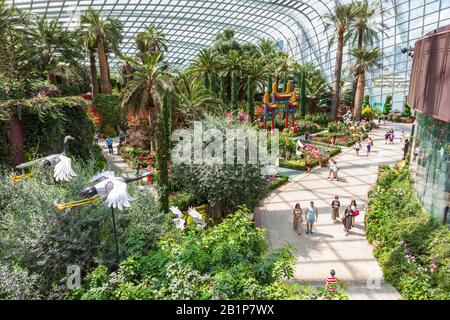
[[150, 81], [105, 31], [231, 65], [151, 40], [51, 45], [366, 27], [284, 66], [194, 100], [89, 46], [225, 42], [203, 66], [368, 59], [340, 20]]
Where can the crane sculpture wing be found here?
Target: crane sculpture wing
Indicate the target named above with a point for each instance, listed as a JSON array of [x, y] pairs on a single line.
[[179, 223], [176, 211], [102, 176], [63, 169], [118, 196], [198, 219]]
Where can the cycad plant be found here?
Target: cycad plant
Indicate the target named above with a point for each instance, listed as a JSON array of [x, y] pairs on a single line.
[[204, 67]]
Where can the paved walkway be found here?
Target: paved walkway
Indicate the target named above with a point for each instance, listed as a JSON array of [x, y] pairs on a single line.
[[117, 164], [351, 256]]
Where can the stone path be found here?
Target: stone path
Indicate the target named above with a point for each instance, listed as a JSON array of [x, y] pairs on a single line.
[[351, 256], [115, 162]]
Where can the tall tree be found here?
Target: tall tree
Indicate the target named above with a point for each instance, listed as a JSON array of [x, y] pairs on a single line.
[[51, 45], [366, 27], [105, 31], [89, 46], [367, 60], [151, 40], [150, 81], [163, 156], [339, 20], [250, 98]]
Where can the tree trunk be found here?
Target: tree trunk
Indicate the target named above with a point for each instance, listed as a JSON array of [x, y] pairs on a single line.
[[337, 75], [358, 62], [16, 140], [359, 95], [234, 90], [51, 76], [250, 99], [103, 65], [163, 157]]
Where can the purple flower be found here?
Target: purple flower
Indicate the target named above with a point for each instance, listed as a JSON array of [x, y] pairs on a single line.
[[406, 251], [402, 243]]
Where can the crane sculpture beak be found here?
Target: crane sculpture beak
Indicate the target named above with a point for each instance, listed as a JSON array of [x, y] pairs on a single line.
[[63, 206], [16, 178]]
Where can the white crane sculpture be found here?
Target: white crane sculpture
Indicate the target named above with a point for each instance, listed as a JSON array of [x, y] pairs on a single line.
[[180, 222], [114, 189], [62, 165]]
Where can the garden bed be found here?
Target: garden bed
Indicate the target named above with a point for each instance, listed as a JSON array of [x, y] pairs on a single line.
[[346, 139], [411, 246]]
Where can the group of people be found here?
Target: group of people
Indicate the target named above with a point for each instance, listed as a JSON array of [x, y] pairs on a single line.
[[358, 146], [109, 140], [350, 213], [389, 137], [334, 170], [311, 215]]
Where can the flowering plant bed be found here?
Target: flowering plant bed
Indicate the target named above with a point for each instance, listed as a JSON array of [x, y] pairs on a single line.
[[345, 139], [410, 244]]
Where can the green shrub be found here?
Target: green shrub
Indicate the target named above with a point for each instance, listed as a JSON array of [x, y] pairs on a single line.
[[406, 110], [183, 200], [230, 260], [45, 123], [41, 242], [297, 164], [387, 105], [109, 107], [278, 182], [321, 119], [411, 246]]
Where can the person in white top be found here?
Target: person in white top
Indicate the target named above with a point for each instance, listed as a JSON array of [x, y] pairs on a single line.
[[357, 147]]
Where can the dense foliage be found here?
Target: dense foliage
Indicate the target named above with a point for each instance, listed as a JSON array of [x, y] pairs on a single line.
[[108, 105], [411, 246], [37, 243], [223, 186], [45, 122], [228, 261]]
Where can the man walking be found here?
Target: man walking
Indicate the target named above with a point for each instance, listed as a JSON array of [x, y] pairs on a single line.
[[109, 143], [312, 215]]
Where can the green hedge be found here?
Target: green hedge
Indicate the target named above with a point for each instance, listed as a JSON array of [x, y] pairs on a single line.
[[411, 246], [109, 107], [297, 164], [278, 182], [45, 123]]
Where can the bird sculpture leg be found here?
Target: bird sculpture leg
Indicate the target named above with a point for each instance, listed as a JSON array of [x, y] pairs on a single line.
[[16, 178], [63, 206], [115, 234]]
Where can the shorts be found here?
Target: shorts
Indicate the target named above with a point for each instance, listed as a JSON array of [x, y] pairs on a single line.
[[310, 221]]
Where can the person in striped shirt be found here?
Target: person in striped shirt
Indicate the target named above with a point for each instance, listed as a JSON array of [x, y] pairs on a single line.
[[331, 284]]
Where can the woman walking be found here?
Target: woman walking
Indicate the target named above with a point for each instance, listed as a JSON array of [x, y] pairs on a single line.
[[334, 169], [357, 147], [355, 210], [311, 215], [348, 216], [369, 145], [298, 220], [308, 163]]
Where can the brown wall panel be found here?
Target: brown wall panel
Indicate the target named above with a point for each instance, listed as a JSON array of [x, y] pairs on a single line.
[[429, 89]]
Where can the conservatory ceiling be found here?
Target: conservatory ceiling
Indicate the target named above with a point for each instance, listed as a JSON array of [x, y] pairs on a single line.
[[191, 24], [296, 25]]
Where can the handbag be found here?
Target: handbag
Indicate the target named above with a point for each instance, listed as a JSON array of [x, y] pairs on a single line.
[[356, 213]]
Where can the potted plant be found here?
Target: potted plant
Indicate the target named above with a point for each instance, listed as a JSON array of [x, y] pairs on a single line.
[[406, 113]]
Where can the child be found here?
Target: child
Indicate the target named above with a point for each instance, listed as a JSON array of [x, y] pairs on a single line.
[[357, 147], [331, 284], [335, 204]]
